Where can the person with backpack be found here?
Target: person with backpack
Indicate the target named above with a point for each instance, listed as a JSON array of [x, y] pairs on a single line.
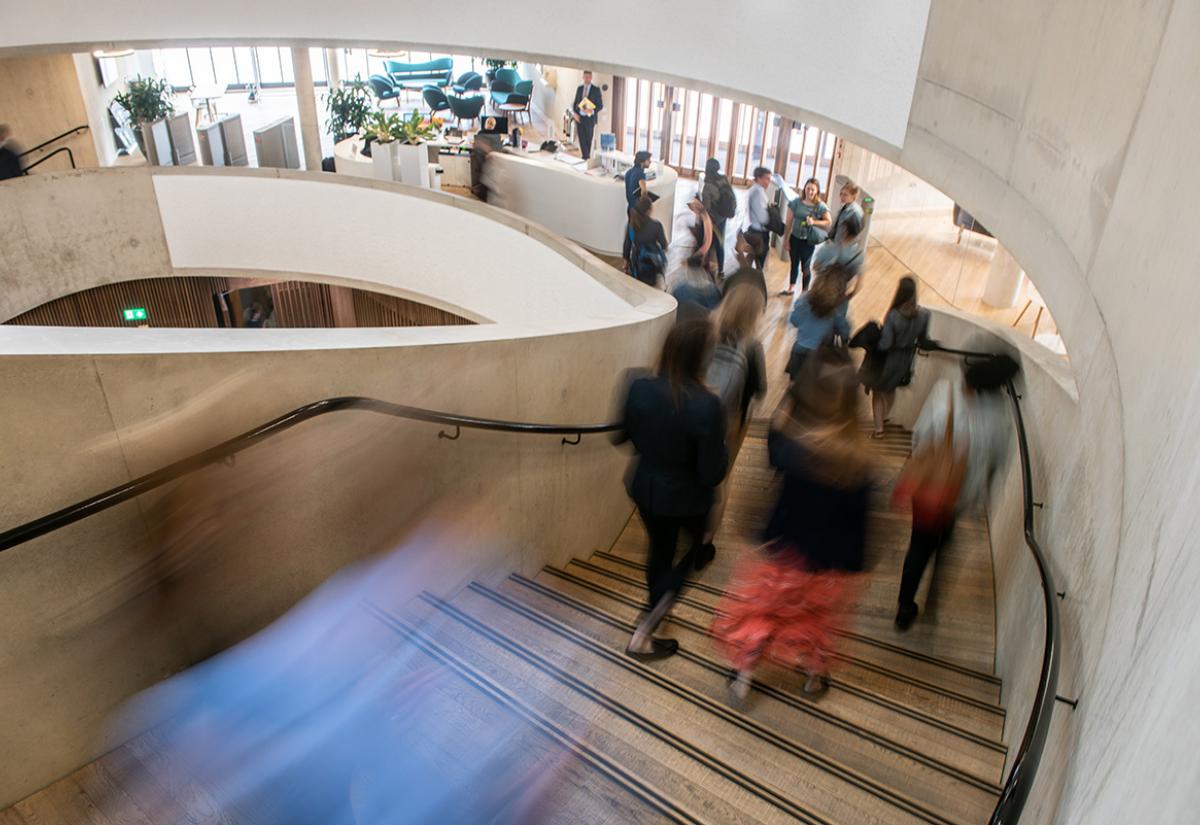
[[720, 201], [904, 327], [645, 247], [692, 285], [737, 372], [788, 598], [960, 439]]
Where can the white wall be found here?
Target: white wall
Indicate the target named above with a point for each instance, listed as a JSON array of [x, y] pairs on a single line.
[[96, 97], [707, 41]]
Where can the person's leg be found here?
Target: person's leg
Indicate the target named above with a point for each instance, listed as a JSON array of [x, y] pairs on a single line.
[[889, 398], [661, 581], [699, 551], [585, 137], [719, 246], [794, 245], [877, 411], [921, 547], [806, 254]]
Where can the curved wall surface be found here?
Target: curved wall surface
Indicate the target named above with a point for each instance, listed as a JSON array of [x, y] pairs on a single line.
[[99, 407], [1064, 127]]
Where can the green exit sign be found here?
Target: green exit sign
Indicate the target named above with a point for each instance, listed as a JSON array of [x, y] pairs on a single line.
[[136, 314]]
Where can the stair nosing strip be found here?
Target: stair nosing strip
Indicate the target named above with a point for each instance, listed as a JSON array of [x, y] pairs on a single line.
[[990, 678], [894, 674], [766, 793], [808, 707], [751, 726], [608, 767], [849, 634]]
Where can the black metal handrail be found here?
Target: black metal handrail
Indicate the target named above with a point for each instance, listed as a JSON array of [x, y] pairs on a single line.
[[46, 143], [110, 498], [41, 160], [1029, 756]]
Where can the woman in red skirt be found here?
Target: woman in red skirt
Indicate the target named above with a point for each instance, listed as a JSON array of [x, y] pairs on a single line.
[[786, 599]]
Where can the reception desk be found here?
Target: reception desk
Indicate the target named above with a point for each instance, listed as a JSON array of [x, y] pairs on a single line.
[[555, 191]]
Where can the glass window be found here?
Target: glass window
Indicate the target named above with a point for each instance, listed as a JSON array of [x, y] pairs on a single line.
[[226, 66], [176, 69], [285, 65], [269, 70], [244, 58], [319, 71], [201, 63]]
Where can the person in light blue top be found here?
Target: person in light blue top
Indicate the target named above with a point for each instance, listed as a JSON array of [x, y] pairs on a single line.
[[819, 315], [809, 220]]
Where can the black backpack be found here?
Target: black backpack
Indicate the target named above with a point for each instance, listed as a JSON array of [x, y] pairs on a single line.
[[726, 200]]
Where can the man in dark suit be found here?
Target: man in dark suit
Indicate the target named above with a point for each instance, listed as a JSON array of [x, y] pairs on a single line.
[[585, 113], [10, 160]]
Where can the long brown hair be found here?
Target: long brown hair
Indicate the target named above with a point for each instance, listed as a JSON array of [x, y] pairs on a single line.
[[815, 183], [828, 290], [739, 313], [640, 214], [905, 299], [684, 354]]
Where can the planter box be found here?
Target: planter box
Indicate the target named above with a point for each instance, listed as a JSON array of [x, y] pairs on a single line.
[[413, 164], [383, 160]]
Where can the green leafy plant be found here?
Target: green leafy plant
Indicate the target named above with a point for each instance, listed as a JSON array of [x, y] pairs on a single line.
[[384, 128], [349, 108], [415, 128], [495, 63], [147, 99]]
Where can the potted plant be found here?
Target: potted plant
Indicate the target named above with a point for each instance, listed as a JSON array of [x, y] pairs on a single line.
[[147, 99], [385, 132], [348, 108], [493, 64]]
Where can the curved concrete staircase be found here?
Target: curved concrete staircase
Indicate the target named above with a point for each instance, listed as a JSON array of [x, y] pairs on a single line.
[[910, 730]]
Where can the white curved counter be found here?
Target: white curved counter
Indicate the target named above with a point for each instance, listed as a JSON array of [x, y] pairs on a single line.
[[587, 208]]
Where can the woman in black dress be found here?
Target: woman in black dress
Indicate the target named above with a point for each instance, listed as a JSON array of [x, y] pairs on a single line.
[[904, 327]]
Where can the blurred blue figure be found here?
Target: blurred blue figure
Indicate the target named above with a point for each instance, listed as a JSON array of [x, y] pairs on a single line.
[[334, 715]]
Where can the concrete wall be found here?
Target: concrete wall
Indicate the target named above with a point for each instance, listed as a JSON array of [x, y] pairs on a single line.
[[40, 98], [85, 623]]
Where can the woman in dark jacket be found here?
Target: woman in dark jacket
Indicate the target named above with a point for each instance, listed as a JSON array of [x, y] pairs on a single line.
[[905, 325], [786, 600], [645, 247], [678, 429]]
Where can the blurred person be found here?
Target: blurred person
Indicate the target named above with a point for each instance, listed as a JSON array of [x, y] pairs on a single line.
[[759, 215], [842, 251], [960, 439], [335, 715], [746, 273], [703, 234], [10, 155], [819, 316], [693, 285], [677, 427], [789, 595], [809, 219], [586, 106], [635, 179], [645, 247], [737, 371], [904, 327], [721, 204], [849, 211]]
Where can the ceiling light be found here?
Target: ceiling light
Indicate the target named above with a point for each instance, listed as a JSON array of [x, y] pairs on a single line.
[[112, 52], [386, 54]]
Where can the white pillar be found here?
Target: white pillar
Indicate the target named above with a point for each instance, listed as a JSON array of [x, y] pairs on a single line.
[[332, 57], [1003, 280], [306, 103]]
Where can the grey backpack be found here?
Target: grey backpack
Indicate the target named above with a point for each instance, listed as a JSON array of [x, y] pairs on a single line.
[[726, 375]]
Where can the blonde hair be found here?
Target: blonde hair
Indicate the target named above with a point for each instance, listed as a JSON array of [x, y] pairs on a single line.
[[739, 313]]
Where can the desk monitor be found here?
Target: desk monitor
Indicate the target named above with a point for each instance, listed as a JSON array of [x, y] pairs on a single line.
[[494, 125]]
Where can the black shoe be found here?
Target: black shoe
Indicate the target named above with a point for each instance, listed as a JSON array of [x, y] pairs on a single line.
[[662, 649], [905, 616], [705, 554]]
